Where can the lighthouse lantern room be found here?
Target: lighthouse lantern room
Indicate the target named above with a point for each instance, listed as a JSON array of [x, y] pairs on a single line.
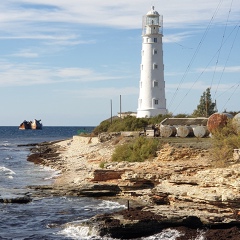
[[152, 100]]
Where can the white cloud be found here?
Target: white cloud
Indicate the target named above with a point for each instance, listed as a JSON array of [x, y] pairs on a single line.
[[107, 92], [27, 75], [25, 53], [177, 37], [120, 14], [43, 19], [231, 69], [200, 86]]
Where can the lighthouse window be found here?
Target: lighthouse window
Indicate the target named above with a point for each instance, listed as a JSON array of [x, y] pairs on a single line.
[[156, 101], [155, 84], [154, 51], [155, 39], [155, 66]]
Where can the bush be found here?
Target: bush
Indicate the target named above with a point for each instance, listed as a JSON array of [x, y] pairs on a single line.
[[139, 150], [103, 127], [159, 118], [224, 140], [128, 123], [102, 164]]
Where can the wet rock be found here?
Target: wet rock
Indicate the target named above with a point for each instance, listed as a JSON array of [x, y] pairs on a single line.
[[99, 190], [43, 152], [135, 223], [20, 200]]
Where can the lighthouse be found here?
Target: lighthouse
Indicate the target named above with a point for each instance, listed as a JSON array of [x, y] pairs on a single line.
[[152, 100]]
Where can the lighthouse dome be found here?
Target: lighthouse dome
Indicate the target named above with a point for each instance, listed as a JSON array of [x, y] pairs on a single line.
[[152, 12]]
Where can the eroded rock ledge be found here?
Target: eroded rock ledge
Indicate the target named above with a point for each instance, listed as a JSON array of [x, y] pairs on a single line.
[[135, 223], [180, 183]]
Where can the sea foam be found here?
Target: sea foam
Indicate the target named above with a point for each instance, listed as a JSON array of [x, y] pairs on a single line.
[[7, 172], [79, 232], [110, 205]]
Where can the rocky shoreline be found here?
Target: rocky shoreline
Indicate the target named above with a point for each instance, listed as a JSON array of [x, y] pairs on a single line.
[[178, 189]]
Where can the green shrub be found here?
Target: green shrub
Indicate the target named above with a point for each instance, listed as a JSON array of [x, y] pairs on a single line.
[[159, 118], [224, 140], [139, 150], [102, 127], [102, 164], [128, 123]]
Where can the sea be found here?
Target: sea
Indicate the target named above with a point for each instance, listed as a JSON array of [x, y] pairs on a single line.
[[47, 217]]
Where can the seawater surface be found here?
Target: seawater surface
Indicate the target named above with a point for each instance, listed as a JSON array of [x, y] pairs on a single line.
[[51, 217]]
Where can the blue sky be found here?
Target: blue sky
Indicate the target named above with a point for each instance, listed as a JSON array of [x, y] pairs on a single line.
[[64, 61]]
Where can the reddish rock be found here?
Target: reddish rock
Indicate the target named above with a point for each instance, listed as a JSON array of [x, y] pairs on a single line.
[[105, 175], [217, 120]]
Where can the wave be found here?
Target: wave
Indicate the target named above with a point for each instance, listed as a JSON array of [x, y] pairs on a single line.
[[80, 232], [5, 144], [105, 204], [7, 172], [77, 232], [8, 158], [166, 234], [54, 173]]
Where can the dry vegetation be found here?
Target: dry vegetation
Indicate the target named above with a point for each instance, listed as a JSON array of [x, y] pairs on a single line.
[[224, 141]]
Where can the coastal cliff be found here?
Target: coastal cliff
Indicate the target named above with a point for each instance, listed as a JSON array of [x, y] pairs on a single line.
[[179, 187]]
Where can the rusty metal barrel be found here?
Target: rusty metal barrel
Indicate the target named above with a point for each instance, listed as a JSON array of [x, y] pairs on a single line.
[[217, 120], [200, 131], [184, 131], [236, 123], [167, 131]]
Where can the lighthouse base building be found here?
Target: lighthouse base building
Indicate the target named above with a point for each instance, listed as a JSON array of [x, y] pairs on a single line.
[[152, 100]]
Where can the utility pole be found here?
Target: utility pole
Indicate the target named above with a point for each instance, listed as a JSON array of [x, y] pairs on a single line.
[[111, 109], [120, 106]]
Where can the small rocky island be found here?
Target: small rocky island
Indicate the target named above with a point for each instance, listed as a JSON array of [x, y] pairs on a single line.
[[179, 188]]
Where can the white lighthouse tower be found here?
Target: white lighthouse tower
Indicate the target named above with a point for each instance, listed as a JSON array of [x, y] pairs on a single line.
[[152, 100]]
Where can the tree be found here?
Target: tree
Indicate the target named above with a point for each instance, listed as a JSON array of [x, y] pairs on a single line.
[[205, 107]]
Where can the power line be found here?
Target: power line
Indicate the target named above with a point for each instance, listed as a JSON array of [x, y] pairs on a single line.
[[221, 45], [195, 53], [237, 26], [233, 86], [226, 61], [231, 96], [183, 47]]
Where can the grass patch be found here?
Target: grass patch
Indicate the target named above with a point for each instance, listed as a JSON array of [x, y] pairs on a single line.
[[138, 150]]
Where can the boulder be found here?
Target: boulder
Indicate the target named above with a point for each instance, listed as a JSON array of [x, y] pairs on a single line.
[[20, 200], [103, 137]]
